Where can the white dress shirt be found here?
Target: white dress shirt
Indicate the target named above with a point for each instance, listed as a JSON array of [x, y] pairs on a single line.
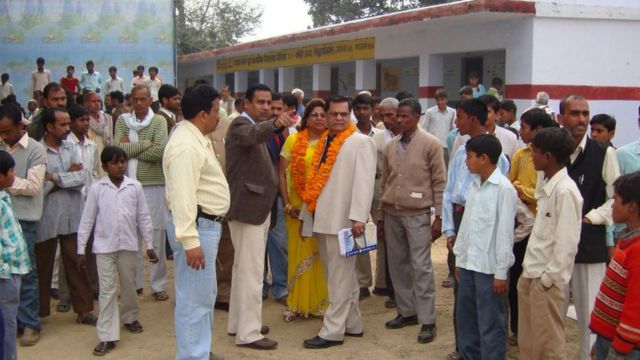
[[88, 151], [118, 214], [553, 243], [154, 87], [139, 81], [459, 181], [610, 172], [374, 130], [39, 80], [485, 241], [439, 123], [508, 140], [116, 84], [6, 89]]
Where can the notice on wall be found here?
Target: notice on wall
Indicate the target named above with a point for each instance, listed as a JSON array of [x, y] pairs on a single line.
[[390, 80], [346, 50]]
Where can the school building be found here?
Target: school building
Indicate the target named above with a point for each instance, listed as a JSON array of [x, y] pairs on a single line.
[[586, 47]]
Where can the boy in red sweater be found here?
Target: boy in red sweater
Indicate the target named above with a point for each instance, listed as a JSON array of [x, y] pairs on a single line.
[[616, 313]]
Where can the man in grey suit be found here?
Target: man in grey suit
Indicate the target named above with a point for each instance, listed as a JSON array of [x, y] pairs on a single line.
[[343, 202], [253, 183]]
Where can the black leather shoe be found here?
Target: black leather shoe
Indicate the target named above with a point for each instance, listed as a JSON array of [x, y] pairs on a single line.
[[320, 343], [427, 334], [380, 291], [400, 322], [364, 293], [360, 334]]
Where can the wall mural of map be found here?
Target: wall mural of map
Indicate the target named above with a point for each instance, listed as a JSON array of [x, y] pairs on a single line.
[[123, 33]]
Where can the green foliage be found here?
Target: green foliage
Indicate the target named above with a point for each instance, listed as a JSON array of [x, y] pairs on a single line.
[[210, 24], [328, 12]]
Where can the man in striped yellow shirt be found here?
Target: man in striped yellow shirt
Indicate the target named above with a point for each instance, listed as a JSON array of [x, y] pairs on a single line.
[[198, 196]]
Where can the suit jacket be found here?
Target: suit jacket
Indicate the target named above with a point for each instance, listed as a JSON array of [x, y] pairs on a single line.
[[217, 140], [252, 178], [348, 193]]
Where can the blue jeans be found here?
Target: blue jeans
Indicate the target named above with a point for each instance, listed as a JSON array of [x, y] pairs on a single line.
[[9, 300], [29, 303], [195, 292], [602, 346], [277, 252], [481, 323]]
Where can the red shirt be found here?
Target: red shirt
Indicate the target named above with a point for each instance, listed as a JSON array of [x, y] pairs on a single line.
[[616, 313], [70, 85]]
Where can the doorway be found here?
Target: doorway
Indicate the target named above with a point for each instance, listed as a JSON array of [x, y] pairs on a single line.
[[471, 64]]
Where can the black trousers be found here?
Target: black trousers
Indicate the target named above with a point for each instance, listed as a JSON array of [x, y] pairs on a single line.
[[519, 250]]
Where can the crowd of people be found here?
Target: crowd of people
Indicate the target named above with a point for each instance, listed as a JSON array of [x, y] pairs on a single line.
[[248, 195]]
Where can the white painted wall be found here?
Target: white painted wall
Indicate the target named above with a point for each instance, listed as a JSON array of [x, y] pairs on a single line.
[[591, 52], [303, 79], [586, 52], [346, 78], [408, 79], [498, 32], [193, 71]]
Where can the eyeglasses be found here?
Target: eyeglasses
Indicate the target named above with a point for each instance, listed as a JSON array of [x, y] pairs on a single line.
[[336, 114], [315, 114]]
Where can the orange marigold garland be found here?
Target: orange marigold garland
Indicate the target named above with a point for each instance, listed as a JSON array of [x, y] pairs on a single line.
[[298, 154], [319, 173]]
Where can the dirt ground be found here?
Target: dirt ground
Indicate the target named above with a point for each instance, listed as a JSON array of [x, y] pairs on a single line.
[[61, 338]]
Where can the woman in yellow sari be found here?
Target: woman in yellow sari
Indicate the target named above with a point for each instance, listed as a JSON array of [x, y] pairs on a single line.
[[308, 294]]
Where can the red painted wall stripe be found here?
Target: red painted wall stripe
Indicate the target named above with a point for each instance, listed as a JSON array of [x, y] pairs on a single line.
[[429, 91], [529, 91], [322, 94]]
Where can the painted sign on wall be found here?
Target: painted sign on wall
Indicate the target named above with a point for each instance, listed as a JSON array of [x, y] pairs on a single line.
[[346, 50]]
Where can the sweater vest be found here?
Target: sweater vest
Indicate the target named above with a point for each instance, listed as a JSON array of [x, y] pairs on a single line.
[[586, 172], [28, 208]]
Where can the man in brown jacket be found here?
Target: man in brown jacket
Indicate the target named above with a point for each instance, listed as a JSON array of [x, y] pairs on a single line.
[[253, 183], [413, 180]]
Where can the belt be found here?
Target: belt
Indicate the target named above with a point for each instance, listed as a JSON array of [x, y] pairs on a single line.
[[203, 215]]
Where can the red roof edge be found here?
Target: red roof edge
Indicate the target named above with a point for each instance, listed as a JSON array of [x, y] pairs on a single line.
[[426, 13]]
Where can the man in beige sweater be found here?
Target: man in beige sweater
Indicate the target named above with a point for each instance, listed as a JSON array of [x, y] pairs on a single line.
[[413, 180]]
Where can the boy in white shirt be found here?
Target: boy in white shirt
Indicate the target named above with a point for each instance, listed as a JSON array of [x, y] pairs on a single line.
[[553, 244], [117, 206], [484, 254]]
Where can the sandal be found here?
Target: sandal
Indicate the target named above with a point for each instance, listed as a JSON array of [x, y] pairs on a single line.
[[454, 356], [134, 327], [89, 319], [448, 282], [63, 306], [390, 304], [104, 347], [513, 340], [288, 316], [160, 296]]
